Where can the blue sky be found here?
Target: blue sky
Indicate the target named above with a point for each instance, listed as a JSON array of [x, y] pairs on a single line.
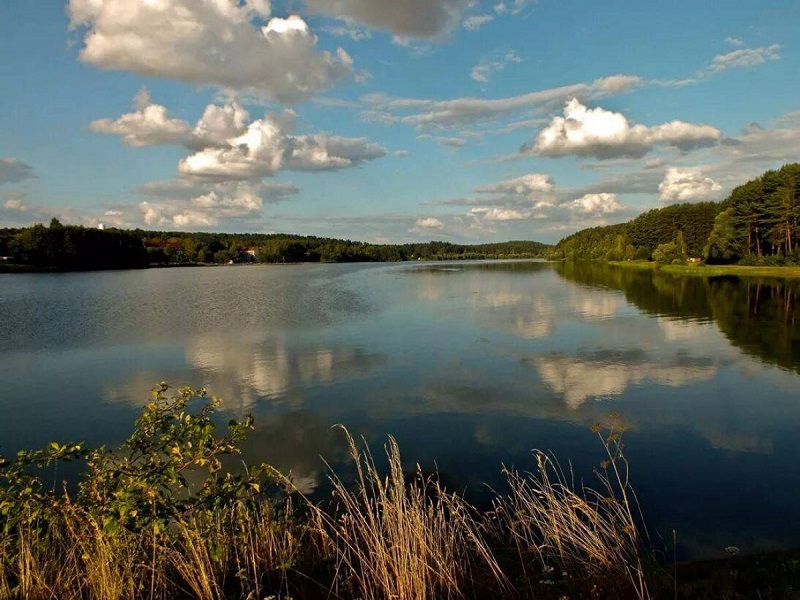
[[412, 120]]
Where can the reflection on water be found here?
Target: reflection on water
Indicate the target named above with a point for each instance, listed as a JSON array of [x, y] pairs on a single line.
[[581, 380], [467, 364]]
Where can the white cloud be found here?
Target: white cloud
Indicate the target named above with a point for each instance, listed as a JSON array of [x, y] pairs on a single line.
[[483, 71], [685, 185], [604, 134], [149, 125], [183, 204], [209, 42], [405, 18], [257, 153], [615, 84], [469, 111], [15, 204], [745, 57], [500, 214], [733, 41], [321, 152], [402, 153], [475, 22], [228, 148], [527, 186], [267, 146], [596, 204], [220, 123], [429, 223], [13, 170]]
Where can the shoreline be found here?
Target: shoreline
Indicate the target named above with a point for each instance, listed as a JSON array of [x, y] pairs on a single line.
[[711, 270], [11, 268]]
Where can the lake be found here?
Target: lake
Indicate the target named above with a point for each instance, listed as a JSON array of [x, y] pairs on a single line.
[[469, 365]]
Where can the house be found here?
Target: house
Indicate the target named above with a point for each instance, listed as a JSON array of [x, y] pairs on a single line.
[[249, 250], [693, 260]]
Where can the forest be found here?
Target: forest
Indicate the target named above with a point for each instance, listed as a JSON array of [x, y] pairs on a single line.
[[757, 224], [74, 248]]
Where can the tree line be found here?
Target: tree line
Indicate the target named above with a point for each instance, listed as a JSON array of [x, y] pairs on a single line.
[[756, 224], [70, 248]]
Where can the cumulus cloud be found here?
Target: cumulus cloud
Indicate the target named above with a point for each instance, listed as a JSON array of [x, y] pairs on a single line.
[[596, 204], [266, 147], [745, 57], [321, 152], [184, 205], [220, 123], [209, 42], [148, 125], [686, 185], [500, 214], [16, 204], [429, 223], [13, 170], [406, 18], [257, 153], [229, 148], [475, 22], [426, 113], [527, 197], [733, 41], [527, 186], [604, 134]]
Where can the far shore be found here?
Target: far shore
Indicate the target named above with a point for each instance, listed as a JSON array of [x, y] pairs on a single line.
[[700, 270]]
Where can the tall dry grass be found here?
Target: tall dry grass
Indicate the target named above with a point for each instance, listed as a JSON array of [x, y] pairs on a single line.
[[555, 523], [389, 534], [244, 551], [397, 537]]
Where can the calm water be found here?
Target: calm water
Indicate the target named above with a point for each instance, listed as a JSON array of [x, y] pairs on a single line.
[[468, 365]]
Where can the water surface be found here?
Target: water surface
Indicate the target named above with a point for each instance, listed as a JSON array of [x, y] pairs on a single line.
[[468, 365]]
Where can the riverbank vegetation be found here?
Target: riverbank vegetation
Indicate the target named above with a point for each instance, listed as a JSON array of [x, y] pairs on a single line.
[[170, 515], [703, 270], [757, 225], [73, 248]]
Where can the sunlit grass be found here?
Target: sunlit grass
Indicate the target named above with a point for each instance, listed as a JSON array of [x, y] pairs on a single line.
[[699, 270]]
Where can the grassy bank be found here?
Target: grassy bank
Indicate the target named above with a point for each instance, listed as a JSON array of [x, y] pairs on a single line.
[[698, 270], [160, 518]]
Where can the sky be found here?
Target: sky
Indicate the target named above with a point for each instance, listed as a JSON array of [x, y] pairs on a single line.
[[389, 121]]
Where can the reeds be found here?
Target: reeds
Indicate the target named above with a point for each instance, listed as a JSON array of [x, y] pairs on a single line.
[[555, 523], [387, 534], [397, 537]]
